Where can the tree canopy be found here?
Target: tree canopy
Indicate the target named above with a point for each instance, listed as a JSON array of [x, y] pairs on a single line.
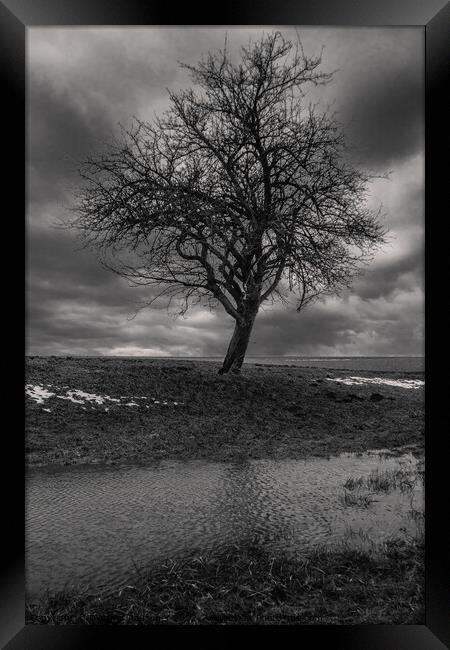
[[239, 193]]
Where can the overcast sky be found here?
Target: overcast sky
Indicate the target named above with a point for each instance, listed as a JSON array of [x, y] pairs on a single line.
[[83, 81]]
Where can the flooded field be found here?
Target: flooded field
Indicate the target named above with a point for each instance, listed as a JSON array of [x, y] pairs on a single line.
[[95, 527]]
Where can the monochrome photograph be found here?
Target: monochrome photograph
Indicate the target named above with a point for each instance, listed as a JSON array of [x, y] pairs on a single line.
[[225, 365]]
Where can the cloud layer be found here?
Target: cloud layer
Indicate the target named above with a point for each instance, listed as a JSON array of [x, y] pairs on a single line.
[[82, 82]]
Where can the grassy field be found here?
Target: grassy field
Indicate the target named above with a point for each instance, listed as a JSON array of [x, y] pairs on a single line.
[[173, 409], [246, 585], [266, 412]]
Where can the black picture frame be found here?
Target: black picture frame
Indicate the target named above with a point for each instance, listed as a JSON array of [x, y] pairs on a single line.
[[434, 16]]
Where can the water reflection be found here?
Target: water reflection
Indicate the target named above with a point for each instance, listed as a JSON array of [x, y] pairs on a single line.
[[93, 527]]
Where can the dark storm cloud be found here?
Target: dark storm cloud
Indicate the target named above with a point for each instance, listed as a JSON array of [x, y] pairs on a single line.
[[71, 298], [392, 106], [384, 111], [77, 101], [82, 82], [377, 90], [377, 327], [62, 268], [404, 273], [60, 135]]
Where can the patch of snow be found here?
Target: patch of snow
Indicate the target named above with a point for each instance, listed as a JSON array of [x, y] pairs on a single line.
[[71, 399], [38, 393], [399, 383], [84, 397], [87, 397]]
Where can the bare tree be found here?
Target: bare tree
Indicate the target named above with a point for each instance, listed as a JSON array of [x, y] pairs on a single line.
[[237, 194]]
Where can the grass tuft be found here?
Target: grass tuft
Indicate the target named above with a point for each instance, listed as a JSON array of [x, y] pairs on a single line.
[[357, 500], [403, 478]]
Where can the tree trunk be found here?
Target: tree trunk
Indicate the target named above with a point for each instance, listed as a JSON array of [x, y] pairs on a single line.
[[238, 346]]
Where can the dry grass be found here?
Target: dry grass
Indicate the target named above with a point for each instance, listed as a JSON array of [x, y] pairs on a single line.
[[245, 584]]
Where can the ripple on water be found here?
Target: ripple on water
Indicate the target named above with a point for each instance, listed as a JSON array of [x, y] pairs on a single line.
[[93, 526]]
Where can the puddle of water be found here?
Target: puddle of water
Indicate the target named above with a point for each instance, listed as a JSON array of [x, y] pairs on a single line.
[[92, 526]]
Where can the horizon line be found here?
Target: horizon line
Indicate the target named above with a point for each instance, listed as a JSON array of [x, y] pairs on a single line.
[[250, 356]]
